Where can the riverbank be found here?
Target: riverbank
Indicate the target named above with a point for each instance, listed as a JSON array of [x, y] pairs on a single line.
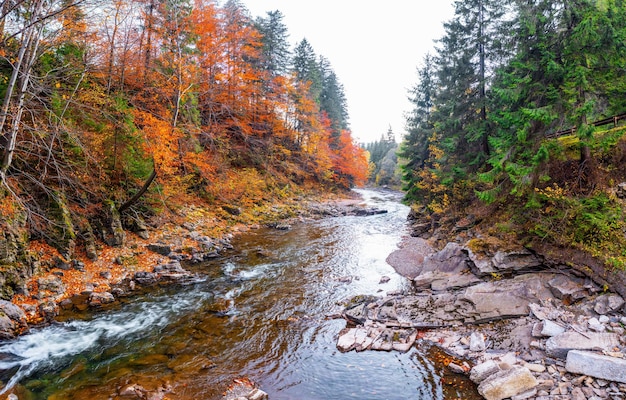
[[520, 324]]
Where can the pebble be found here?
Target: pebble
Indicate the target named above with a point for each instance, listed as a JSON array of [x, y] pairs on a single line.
[[595, 325], [457, 369], [535, 367], [577, 394]]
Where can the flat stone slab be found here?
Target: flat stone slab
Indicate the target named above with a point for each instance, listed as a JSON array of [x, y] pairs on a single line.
[[376, 338], [483, 302], [507, 383], [560, 345], [596, 365]]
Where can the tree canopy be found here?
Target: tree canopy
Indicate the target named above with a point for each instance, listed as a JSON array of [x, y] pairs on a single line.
[[102, 98]]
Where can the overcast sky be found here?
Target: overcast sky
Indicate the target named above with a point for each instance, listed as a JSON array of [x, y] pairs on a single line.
[[374, 47]]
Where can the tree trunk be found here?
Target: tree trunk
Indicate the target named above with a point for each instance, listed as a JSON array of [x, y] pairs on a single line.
[[21, 72], [140, 193]]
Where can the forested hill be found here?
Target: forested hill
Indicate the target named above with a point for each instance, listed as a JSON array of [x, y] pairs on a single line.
[[143, 106], [504, 77]]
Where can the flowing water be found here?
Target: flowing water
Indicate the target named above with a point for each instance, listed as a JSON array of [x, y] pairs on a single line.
[[262, 312]]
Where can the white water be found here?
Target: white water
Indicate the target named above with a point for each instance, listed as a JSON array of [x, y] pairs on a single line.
[[56, 344]]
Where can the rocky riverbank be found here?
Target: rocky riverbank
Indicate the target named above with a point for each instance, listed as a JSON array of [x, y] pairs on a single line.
[[520, 327]]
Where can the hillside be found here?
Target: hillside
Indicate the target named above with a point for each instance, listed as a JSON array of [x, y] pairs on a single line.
[[516, 129], [123, 118]]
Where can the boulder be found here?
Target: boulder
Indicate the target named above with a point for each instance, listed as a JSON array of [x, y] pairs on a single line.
[[477, 342], [567, 288], [488, 257], [12, 320], [376, 338], [550, 328], [596, 365], [159, 248], [502, 299], [97, 299], [408, 259]]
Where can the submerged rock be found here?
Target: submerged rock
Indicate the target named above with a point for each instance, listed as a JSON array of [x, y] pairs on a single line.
[[244, 389]]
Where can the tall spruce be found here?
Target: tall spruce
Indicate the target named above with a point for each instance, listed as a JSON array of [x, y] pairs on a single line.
[[276, 55], [332, 99], [414, 147], [306, 68], [471, 49]]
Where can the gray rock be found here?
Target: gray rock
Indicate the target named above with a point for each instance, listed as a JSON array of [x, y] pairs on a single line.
[[12, 320], [517, 260], [507, 383], [376, 338], [97, 299], [481, 371], [596, 365], [558, 346], [577, 394], [551, 328], [502, 299], [477, 342], [487, 261], [567, 288], [457, 369], [158, 248], [409, 258], [526, 395], [608, 303], [442, 281], [145, 278], [452, 259], [595, 325]]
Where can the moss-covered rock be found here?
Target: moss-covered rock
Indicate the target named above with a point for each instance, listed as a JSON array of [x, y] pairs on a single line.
[[114, 235], [16, 264], [64, 234]]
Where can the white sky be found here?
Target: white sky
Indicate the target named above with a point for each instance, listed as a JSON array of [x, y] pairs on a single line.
[[374, 47]]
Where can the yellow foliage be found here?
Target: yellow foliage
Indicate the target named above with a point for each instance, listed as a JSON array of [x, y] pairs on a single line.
[[550, 193]]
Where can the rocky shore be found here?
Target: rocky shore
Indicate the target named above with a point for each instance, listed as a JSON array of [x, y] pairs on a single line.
[[518, 326]]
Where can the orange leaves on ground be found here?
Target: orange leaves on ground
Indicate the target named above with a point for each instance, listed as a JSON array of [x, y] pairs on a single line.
[[244, 186]]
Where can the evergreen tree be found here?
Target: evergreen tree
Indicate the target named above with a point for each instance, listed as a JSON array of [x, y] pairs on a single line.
[[275, 57], [471, 49], [332, 98], [414, 147], [306, 68]]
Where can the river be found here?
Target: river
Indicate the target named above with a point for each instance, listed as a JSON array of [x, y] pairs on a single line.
[[262, 311]]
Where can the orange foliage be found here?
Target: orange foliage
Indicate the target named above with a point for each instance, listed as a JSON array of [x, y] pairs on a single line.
[[349, 162], [161, 141]]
